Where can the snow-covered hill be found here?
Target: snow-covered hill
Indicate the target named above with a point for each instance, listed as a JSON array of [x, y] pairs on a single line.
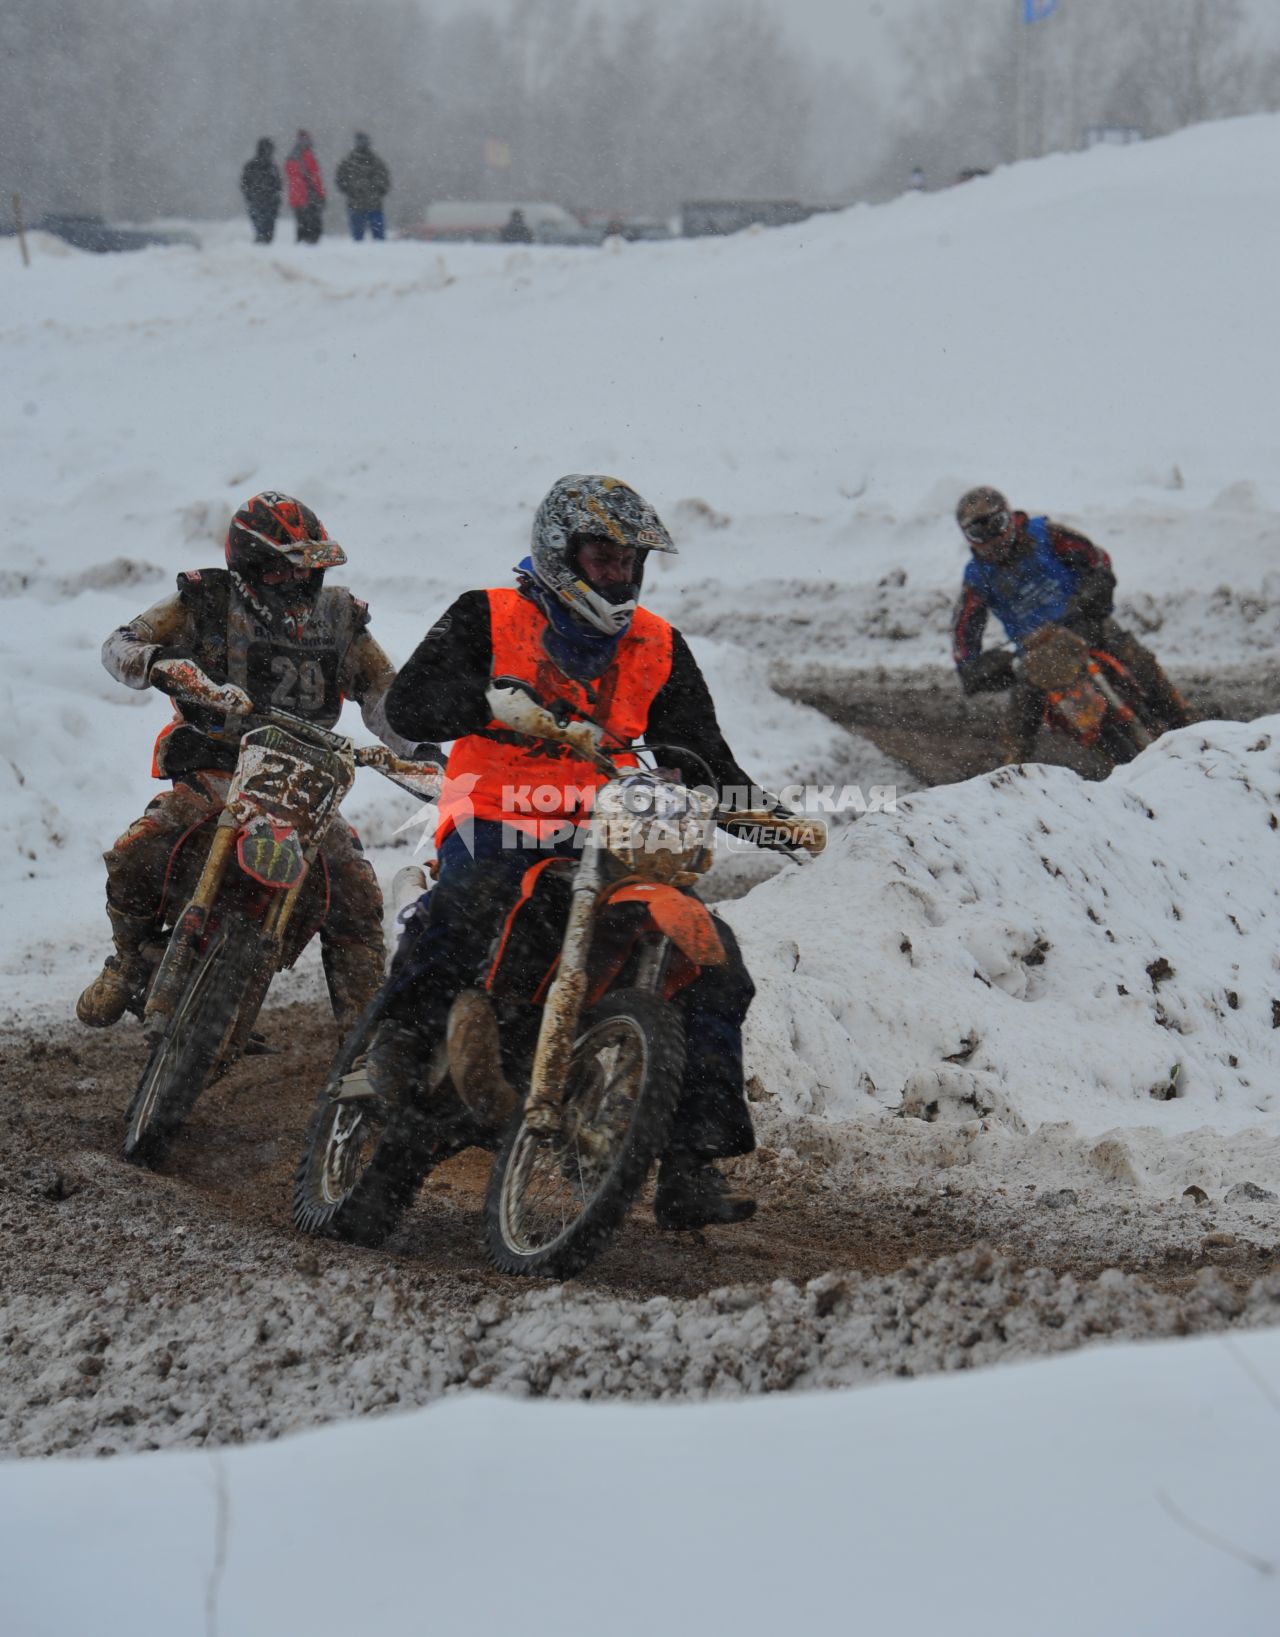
[[1050, 970]]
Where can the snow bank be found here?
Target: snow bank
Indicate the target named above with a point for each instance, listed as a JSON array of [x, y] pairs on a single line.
[[1029, 949], [1124, 1489]]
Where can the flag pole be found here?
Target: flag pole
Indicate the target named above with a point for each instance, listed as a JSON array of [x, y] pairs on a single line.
[[1019, 75]]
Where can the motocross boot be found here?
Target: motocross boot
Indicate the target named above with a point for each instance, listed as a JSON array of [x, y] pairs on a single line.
[[123, 973], [692, 1193], [475, 1060], [353, 973], [396, 1064]]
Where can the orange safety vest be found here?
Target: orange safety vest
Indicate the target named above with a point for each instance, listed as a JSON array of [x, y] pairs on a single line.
[[498, 774]]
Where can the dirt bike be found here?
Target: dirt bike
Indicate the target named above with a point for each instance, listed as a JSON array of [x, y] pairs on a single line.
[[1089, 695], [241, 925], [576, 1008]]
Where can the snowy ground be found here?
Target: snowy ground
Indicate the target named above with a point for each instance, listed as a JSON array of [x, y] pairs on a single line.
[[1034, 984], [1123, 1490]]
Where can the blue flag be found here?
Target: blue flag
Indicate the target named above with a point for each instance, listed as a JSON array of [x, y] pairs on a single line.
[[1034, 10]]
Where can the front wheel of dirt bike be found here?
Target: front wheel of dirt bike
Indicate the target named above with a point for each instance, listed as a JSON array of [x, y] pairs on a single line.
[[363, 1163], [1125, 735], [186, 1056], [554, 1202]]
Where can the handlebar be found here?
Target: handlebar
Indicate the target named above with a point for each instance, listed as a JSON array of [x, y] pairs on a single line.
[[422, 779], [515, 703]]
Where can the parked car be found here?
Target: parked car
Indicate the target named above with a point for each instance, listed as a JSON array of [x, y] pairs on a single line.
[[616, 223], [700, 218], [92, 233], [482, 220]]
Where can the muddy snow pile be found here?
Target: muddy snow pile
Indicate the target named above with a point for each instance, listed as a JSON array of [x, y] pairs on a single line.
[[129, 1371], [1028, 953]]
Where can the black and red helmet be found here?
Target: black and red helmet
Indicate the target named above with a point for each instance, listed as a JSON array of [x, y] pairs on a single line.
[[274, 531]]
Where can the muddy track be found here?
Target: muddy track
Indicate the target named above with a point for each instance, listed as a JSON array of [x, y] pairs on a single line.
[[85, 1219], [144, 1310], [921, 718]]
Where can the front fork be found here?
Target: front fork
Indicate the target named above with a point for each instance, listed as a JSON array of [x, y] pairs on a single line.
[[562, 1009], [563, 1005]]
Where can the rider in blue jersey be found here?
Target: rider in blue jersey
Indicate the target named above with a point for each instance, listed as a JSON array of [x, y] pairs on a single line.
[[1031, 572]]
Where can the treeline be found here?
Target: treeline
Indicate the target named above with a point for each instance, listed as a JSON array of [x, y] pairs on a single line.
[[984, 88], [145, 108]]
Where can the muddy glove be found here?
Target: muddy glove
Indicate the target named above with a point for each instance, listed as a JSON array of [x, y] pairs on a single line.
[[777, 829], [796, 832], [516, 706], [991, 672], [1092, 599], [183, 679]]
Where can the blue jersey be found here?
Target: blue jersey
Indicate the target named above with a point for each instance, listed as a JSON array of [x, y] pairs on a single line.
[[1028, 593]]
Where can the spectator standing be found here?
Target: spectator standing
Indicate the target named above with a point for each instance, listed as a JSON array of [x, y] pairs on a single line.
[[306, 189], [365, 181], [516, 230], [261, 186]]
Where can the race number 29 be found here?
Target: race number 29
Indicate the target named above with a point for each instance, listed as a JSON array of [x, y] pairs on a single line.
[[298, 685]]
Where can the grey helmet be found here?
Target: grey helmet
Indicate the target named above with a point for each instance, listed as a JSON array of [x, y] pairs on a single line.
[[601, 508]]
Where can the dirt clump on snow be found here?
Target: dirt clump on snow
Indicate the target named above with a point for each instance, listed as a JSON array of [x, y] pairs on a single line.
[[144, 1310]]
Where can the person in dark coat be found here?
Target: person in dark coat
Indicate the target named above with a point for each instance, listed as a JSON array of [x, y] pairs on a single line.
[[306, 189], [365, 181], [516, 230], [261, 186], [573, 626]]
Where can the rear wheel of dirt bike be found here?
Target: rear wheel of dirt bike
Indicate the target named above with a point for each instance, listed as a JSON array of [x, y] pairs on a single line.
[[189, 1052], [554, 1202], [363, 1163]]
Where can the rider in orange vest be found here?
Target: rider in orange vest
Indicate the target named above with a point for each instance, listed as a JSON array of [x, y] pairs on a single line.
[[573, 628]]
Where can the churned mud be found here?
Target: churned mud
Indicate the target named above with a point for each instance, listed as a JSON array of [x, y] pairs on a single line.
[[920, 718], [142, 1310]]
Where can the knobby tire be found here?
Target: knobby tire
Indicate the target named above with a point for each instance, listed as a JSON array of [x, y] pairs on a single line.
[[404, 1145], [656, 1029], [188, 1053]]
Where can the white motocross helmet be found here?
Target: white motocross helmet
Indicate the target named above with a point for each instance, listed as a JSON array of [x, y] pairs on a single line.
[[601, 508]]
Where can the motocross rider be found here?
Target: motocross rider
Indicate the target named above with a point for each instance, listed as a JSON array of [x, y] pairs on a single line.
[[265, 632], [1033, 572], [572, 626]]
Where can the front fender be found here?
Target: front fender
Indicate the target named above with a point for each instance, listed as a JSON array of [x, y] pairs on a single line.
[[685, 920], [271, 854]]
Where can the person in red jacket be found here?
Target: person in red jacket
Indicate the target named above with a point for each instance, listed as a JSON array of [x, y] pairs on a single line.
[[306, 189]]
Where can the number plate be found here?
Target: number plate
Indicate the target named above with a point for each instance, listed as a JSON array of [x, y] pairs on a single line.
[[297, 785]]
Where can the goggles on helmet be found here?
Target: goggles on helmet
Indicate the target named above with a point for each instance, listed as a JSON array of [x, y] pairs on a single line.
[[979, 531], [308, 554]]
